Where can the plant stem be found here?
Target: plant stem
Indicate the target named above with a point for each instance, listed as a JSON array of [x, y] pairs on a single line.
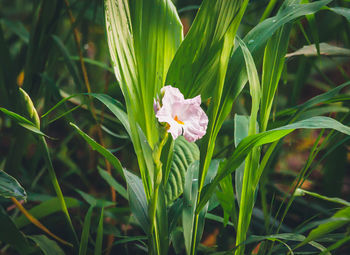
[[157, 182], [194, 235], [57, 188]]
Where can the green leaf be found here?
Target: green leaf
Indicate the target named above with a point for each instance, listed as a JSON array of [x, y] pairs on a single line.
[[273, 62], [184, 154], [137, 200], [100, 149], [12, 235], [59, 103], [27, 107], [7, 76], [27, 124], [241, 123], [322, 98], [115, 107], [341, 218], [336, 245], [247, 144], [45, 209], [255, 40], [162, 221], [302, 192], [143, 37], [252, 160], [92, 201], [10, 187], [189, 202], [311, 19], [71, 66], [216, 218], [113, 183], [46, 245], [342, 11], [128, 239], [174, 213], [200, 58], [85, 233], [37, 53], [93, 62], [17, 28], [325, 49], [99, 235], [227, 201]]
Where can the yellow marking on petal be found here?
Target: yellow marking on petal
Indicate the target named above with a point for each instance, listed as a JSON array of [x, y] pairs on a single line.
[[178, 121]]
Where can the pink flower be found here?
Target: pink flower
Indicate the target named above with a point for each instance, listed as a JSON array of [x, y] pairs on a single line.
[[183, 116]]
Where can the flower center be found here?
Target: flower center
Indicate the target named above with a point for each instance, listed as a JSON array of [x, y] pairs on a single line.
[[178, 121]]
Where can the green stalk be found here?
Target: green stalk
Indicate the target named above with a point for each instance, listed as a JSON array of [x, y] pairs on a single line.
[[57, 188], [268, 10], [157, 182], [207, 160], [247, 198]]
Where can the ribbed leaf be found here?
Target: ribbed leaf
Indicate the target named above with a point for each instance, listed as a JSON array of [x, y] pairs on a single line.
[[142, 37], [184, 154], [9, 187]]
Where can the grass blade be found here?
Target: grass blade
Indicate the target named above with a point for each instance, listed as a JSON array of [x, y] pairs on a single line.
[[99, 236]]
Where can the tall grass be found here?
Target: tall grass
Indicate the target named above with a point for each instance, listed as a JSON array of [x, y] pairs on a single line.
[[75, 69]]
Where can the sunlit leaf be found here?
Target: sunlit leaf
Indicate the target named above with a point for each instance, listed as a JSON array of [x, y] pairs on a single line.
[[143, 37]]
